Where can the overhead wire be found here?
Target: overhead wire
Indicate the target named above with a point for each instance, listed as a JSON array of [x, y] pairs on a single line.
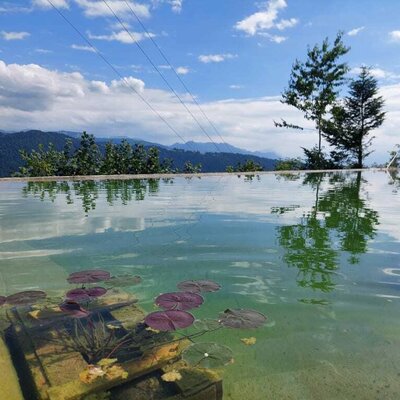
[[123, 79], [158, 70], [177, 75]]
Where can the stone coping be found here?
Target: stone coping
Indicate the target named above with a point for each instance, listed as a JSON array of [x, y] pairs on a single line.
[[169, 176]]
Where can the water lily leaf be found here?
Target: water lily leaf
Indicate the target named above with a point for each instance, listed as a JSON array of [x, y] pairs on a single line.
[[78, 295], [169, 320], [89, 276], [26, 297], [2, 300], [171, 376], [74, 309], [249, 341], [96, 291], [179, 301], [124, 280], [242, 319], [199, 286], [207, 355], [206, 324]]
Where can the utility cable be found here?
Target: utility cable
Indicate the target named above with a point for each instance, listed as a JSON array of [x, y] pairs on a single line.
[[118, 73], [177, 75], [158, 71]]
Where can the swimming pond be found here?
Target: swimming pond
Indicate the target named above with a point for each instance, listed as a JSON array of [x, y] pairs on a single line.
[[317, 254]]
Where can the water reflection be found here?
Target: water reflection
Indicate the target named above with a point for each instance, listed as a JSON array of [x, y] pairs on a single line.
[[339, 220], [88, 191]]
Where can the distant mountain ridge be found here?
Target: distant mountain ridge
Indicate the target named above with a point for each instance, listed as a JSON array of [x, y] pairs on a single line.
[[12, 142], [209, 147]]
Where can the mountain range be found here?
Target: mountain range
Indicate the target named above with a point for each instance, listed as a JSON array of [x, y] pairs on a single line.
[[211, 158]]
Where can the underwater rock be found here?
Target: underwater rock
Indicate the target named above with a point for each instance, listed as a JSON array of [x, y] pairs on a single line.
[[2, 300], [179, 301], [199, 286], [169, 320]]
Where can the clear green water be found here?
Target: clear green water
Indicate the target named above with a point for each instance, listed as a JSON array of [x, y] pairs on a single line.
[[318, 254]]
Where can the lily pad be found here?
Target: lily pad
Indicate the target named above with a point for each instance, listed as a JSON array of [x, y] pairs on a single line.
[[207, 355], [74, 309], [169, 320], [89, 276], [78, 295], [179, 301], [96, 291], [124, 280], [26, 297], [206, 324], [199, 286], [242, 319], [2, 300]]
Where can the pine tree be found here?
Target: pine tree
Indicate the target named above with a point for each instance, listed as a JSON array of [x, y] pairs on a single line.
[[314, 84], [355, 117]]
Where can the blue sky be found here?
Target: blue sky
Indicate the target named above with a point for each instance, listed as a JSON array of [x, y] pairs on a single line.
[[234, 55]]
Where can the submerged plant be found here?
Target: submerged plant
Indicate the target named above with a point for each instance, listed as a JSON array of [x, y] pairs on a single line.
[[26, 297], [199, 286]]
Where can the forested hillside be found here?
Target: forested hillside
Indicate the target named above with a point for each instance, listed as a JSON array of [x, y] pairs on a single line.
[[11, 143]]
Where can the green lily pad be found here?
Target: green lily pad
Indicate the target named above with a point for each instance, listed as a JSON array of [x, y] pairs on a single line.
[[207, 355]]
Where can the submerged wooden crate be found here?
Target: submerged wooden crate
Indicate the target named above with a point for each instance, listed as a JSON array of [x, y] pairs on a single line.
[[51, 372]]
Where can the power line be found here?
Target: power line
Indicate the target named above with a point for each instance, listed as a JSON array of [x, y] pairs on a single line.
[[158, 70], [176, 74], [118, 73]]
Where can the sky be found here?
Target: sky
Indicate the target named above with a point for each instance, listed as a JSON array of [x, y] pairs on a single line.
[[88, 69]]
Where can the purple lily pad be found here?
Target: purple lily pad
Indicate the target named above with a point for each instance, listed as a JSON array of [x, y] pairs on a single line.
[[74, 309], [96, 291], [2, 300], [179, 301], [169, 320], [78, 295], [89, 276], [26, 297], [242, 319], [199, 286]]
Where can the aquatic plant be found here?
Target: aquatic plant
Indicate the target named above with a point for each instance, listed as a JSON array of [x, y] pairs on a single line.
[[199, 286], [179, 301], [123, 280], [85, 295], [105, 368], [89, 276], [207, 355], [169, 320], [241, 318], [74, 309], [26, 297]]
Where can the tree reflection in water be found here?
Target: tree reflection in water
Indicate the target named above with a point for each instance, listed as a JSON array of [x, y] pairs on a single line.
[[339, 220], [87, 192]]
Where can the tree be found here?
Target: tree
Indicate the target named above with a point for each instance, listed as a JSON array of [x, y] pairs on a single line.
[[314, 84], [87, 159], [355, 117]]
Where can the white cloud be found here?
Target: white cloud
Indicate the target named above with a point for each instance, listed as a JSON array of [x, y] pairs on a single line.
[[122, 37], [14, 35], [176, 5], [266, 19], [36, 97], [273, 38], [97, 8], [182, 70], [395, 36], [356, 31], [236, 87], [83, 48], [378, 73], [46, 4], [43, 51], [216, 58]]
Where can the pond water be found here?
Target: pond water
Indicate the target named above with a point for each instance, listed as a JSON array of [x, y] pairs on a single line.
[[317, 254]]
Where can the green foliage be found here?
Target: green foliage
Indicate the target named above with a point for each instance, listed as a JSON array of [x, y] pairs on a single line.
[[247, 166], [315, 83], [290, 164], [88, 160], [190, 168], [355, 117]]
